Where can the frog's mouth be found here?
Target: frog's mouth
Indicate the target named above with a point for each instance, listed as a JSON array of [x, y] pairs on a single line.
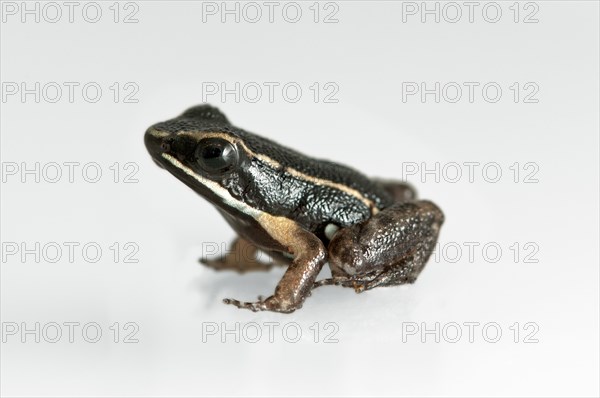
[[207, 188], [159, 164]]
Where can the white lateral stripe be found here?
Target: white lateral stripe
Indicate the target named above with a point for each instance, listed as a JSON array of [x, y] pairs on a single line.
[[216, 188]]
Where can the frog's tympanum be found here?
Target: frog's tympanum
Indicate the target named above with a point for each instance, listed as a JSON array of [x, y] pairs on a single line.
[[303, 211]]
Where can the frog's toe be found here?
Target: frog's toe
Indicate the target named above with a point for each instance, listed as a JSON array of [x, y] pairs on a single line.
[[210, 263], [337, 281], [254, 307], [220, 265], [269, 304], [359, 287]]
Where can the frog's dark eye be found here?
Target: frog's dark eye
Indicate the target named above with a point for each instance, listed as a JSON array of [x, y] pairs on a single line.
[[216, 155]]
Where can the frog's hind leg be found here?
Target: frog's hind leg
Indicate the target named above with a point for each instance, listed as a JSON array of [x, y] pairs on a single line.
[[389, 249], [396, 274], [242, 258], [400, 191]]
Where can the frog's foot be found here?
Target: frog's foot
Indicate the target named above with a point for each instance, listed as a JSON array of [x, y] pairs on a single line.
[[395, 275], [327, 282], [242, 258], [358, 283], [240, 267], [363, 282], [360, 286], [272, 303]]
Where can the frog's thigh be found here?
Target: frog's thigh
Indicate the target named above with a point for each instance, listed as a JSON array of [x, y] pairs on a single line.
[[241, 258], [400, 191], [389, 249]]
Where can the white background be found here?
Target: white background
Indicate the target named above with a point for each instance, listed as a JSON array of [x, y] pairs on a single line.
[[368, 54]]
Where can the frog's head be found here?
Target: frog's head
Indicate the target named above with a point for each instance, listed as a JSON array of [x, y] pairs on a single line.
[[201, 148]]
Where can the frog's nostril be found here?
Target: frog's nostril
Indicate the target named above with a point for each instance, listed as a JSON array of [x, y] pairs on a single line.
[[155, 141]]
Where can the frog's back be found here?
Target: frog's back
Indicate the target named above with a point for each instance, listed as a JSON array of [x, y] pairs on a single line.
[[317, 169]]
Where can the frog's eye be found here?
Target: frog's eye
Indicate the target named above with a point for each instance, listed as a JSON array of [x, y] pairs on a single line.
[[216, 155]]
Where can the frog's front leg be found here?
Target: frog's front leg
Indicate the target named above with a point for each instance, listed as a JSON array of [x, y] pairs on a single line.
[[297, 282], [242, 258], [391, 248]]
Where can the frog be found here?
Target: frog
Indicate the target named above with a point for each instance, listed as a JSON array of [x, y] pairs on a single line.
[[303, 211]]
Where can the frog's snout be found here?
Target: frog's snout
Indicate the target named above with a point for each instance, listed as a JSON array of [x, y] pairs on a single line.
[[157, 142], [153, 139]]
